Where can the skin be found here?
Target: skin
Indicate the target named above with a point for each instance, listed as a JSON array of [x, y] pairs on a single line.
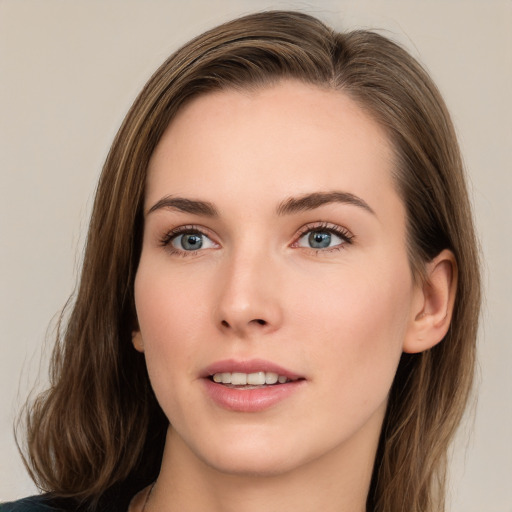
[[339, 316]]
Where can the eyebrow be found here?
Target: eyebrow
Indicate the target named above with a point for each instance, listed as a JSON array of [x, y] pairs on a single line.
[[317, 199], [185, 205], [289, 206]]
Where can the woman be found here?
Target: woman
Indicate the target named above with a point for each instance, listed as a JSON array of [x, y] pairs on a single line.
[[279, 298]]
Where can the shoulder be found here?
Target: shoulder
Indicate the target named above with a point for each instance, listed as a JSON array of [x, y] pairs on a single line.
[[40, 503], [114, 500]]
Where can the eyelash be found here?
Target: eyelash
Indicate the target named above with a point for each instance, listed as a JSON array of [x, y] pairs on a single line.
[[166, 240], [344, 234]]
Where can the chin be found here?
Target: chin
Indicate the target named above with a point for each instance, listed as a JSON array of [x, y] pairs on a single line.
[[265, 465], [250, 455]]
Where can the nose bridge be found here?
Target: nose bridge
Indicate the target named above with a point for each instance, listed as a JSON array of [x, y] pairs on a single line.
[[249, 294]]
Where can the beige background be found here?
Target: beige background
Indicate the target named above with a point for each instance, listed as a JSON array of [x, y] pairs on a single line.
[[69, 71]]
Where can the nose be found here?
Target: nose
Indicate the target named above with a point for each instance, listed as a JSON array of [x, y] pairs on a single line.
[[249, 301]]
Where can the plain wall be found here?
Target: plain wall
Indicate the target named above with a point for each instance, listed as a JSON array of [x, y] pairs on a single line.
[[69, 71]]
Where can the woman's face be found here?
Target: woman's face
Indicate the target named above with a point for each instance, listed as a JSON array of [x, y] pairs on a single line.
[[274, 242]]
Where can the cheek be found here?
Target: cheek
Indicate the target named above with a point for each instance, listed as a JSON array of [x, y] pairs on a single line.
[[168, 303], [171, 315], [361, 322]]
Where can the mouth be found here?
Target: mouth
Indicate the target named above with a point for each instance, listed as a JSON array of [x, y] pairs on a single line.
[[254, 380], [250, 386]]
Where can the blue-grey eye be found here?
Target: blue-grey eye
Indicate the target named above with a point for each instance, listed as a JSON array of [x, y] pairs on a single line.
[[191, 242], [320, 239]]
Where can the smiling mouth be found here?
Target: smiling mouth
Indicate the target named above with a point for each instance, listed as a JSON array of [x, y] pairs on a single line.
[[254, 380], [253, 390]]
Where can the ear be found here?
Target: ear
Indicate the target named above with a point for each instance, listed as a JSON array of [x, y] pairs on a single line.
[[137, 341], [433, 304]]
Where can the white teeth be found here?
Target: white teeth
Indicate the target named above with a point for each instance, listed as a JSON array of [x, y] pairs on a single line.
[[271, 378], [239, 379], [252, 379], [256, 379]]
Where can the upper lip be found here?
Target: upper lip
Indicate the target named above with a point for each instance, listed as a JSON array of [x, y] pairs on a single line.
[[248, 366]]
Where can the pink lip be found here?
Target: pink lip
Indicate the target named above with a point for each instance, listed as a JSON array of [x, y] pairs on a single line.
[[249, 400]]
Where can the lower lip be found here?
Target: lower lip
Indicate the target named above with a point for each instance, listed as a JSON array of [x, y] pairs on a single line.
[[250, 400]]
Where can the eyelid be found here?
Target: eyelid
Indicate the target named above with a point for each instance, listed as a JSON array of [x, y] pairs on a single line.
[[340, 231], [170, 235]]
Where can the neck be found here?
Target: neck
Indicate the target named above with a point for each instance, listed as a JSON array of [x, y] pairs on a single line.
[[336, 482]]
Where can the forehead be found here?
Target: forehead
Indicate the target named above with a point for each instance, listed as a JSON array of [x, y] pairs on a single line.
[[276, 141]]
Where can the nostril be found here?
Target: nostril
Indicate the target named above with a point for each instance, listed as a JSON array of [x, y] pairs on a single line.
[[258, 321]]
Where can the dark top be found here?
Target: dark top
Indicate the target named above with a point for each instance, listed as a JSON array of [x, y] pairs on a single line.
[[33, 504], [115, 499], [47, 503]]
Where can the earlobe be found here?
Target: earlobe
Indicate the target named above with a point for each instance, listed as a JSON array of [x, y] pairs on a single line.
[[433, 309], [137, 341]]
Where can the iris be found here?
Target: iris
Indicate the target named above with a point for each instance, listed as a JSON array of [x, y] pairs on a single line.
[[191, 241], [319, 239]]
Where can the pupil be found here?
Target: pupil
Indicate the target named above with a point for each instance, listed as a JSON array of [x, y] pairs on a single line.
[[320, 239], [191, 242]]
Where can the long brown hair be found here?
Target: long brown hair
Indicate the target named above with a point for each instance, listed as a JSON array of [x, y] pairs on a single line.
[[99, 426]]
